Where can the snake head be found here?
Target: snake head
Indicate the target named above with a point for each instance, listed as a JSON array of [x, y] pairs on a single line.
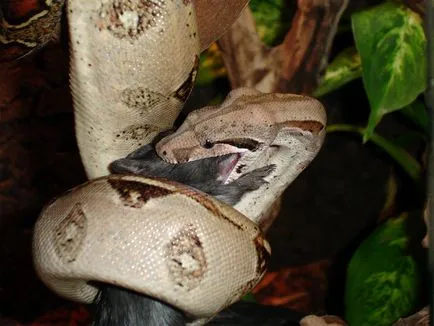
[[262, 129]]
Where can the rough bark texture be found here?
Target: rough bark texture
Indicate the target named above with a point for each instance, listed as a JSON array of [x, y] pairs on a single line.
[[418, 6], [420, 318], [293, 66], [425, 241]]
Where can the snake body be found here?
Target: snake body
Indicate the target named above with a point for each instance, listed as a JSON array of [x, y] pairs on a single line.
[[165, 239], [129, 79], [133, 65], [127, 207]]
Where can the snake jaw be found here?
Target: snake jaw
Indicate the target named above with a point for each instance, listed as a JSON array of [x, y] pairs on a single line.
[[249, 160], [243, 160], [290, 158], [171, 153], [227, 167]]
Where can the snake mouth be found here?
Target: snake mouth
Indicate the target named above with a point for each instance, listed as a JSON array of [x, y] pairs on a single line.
[[237, 164], [227, 166], [230, 167], [242, 143]]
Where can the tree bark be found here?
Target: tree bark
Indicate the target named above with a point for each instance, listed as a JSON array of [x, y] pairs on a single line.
[[420, 318], [296, 65]]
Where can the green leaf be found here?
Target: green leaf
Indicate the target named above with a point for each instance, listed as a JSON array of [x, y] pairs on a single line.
[[400, 155], [270, 19], [249, 297], [343, 69], [382, 279], [417, 113], [391, 42], [211, 66]]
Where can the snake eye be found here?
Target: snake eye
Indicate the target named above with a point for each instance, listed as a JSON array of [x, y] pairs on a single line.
[[208, 144]]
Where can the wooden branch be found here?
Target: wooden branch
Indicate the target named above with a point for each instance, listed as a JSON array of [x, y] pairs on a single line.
[[418, 6], [293, 66], [306, 47], [425, 240], [246, 58], [420, 318]]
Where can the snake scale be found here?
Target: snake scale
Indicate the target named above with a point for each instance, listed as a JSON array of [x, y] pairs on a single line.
[[133, 64]]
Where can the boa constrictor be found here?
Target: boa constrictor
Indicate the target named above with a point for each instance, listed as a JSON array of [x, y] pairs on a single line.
[[133, 65]]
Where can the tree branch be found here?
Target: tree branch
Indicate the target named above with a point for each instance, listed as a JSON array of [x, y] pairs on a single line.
[[420, 318], [293, 66]]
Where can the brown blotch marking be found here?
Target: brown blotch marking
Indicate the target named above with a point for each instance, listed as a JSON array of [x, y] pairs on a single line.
[[142, 98], [183, 92], [186, 259], [70, 233], [309, 125], [209, 205], [135, 194], [149, 14], [262, 254], [186, 2], [136, 133], [203, 200]]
